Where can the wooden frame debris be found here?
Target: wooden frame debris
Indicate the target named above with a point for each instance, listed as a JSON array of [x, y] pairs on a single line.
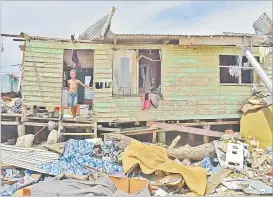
[[152, 131], [184, 129]]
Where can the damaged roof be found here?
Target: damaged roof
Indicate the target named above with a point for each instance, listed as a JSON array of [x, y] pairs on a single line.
[[188, 35], [100, 30]]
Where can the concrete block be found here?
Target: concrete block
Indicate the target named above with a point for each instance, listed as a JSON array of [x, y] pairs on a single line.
[[235, 157]]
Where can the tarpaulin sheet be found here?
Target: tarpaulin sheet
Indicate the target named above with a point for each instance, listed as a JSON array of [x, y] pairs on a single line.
[[71, 187], [78, 153], [152, 158], [258, 124]]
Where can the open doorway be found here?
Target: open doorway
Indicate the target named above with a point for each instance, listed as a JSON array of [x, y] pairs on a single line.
[[82, 61], [149, 72]]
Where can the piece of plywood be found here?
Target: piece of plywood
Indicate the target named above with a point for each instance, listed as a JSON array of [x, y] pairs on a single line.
[[124, 60], [215, 179]]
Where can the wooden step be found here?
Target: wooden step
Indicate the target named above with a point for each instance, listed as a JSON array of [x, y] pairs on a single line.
[[91, 134]]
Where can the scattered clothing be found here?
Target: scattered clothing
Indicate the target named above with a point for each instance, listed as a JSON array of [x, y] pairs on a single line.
[[210, 165], [77, 154], [155, 100], [10, 105], [9, 190], [146, 101], [16, 108]]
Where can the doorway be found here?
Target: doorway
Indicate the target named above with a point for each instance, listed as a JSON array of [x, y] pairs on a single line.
[[82, 61]]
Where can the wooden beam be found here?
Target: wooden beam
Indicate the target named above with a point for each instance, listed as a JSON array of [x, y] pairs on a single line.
[[184, 129], [166, 41], [40, 118], [209, 123], [83, 134], [10, 115], [138, 132], [220, 40], [48, 39], [74, 125], [109, 129], [10, 123]]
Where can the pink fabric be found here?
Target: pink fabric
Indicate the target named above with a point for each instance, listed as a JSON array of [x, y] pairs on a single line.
[[146, 104]]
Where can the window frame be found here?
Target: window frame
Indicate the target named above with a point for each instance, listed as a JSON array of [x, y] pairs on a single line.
[[138, 65], [239, 83]]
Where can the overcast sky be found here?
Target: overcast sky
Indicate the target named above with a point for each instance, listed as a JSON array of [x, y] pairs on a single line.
[[63, 18]]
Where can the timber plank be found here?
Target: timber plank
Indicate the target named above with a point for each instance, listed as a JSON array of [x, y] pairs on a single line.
[[185, 129]]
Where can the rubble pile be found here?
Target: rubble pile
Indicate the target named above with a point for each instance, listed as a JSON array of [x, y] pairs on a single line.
[[123, 165], [10, 105]]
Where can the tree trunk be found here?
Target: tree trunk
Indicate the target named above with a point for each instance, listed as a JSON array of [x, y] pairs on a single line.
[[196, 153]]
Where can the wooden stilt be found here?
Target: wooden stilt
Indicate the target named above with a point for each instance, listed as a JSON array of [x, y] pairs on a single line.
[[206, 138], [21, 130], [162, 137], [154, 137], [95, 129], [24, 113], [191, 139]]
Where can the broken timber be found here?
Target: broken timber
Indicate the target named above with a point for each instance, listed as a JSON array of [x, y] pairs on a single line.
[[141, 132], [196, 153], [184, 129]]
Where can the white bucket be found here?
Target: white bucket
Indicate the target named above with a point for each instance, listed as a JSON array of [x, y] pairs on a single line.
[[84, 109]]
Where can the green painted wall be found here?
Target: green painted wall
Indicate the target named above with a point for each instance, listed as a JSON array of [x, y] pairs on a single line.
[[190, 86], [190, 82]]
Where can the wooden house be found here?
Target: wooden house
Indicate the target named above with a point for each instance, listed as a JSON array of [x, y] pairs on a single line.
[[200, 76]]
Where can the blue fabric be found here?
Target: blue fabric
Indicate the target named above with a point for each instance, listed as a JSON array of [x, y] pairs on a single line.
[[72, 99], [79, 152], [205, 163]]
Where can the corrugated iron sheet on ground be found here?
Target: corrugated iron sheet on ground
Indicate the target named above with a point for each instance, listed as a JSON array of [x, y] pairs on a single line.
[[27, 158]]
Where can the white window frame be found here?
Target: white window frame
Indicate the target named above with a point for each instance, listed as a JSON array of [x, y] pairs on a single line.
[[239, 82]]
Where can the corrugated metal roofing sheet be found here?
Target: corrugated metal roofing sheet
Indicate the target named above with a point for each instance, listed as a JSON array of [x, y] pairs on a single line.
[[197, 35], [27, 158], [100, 29], [94, 31]]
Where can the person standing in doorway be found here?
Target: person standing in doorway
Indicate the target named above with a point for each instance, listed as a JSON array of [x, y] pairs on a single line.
[[73, 92]]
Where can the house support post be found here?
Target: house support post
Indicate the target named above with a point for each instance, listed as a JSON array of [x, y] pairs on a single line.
[[206, 138], [161, 137], [95, 125], [21, 130]]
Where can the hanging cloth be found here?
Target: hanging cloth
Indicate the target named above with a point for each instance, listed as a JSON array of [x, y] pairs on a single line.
[[146, 101], [146, 75], [75, 59]]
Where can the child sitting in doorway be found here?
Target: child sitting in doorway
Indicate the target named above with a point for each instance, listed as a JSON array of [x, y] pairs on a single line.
[[73, 92]]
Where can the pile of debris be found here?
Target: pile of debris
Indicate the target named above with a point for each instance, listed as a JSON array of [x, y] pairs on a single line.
[[10, 104], [123, 165]]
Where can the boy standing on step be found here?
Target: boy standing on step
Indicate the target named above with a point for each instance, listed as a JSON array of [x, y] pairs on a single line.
[[73, 92]]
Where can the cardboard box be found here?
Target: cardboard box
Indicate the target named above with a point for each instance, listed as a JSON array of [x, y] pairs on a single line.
[[129, 185]]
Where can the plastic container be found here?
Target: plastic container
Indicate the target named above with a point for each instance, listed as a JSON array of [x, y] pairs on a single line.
[[84, 109]]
